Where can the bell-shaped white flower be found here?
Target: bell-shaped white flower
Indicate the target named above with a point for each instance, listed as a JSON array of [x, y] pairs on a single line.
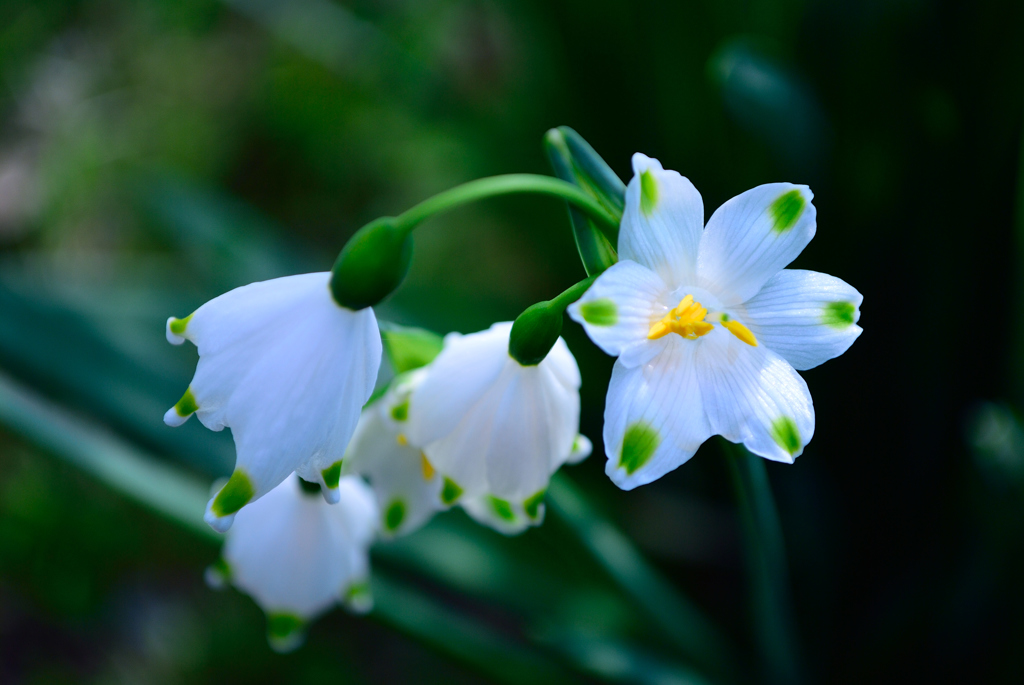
[[406, 484], [491, 426], [708, 326], [297, 556], [512, 518], [287, 369]]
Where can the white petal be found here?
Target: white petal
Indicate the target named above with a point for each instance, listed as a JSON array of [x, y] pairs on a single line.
[[581, 449], [662, 221], [618, 309], [805, 316], [380, 452], [490, 425], [654, 417], [753, 396], [295, 555], [508, 518], [752, 237], [287, 370]]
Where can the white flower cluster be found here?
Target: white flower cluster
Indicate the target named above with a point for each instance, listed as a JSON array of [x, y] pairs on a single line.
[[707, 325]]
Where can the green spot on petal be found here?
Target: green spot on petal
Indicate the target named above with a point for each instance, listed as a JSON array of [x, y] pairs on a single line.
[[332, 475], [638, 446], [178, 326], [222, 569], [394, 515], [600, 312], [648, 192], [786, 210], [283, 627], [400, 412], [532, 504], [187, 405], [501, 508], [786, 434], [839, 314], [450, 492], [235, 495]]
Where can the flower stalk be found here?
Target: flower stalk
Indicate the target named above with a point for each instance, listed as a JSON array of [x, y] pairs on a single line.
[[767, 570], [536, 330]]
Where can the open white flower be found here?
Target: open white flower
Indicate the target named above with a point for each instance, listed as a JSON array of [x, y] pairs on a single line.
[[708, 326], [491, 426], [406, 484], [287, 369], [297, 556]]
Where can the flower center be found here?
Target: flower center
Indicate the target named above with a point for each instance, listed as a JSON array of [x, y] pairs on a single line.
[[688, 320]]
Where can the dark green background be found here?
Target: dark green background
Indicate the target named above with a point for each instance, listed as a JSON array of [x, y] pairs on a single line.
[[156, 154]]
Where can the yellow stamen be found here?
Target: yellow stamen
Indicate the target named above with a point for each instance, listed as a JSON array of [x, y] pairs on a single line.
[[428, 468], [740, 331], [687, 319], [401, 439]]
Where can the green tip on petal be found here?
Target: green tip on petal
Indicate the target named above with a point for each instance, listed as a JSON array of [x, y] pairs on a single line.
[[600, 312], [786, 210], [532, 504], [638, 446], [234, 495], [178, 326], [501, 508], [332, 475], [285, 631], [648, 192], [786, 434], [400, 412], [359, 597], [450, 492], [839, 314], [187, 405], [394, 515]]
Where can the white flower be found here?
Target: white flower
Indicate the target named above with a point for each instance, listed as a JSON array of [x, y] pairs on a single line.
[[287, 369], [297, 556], [512, 518], [491, 426], [708, 326], [406, 484]]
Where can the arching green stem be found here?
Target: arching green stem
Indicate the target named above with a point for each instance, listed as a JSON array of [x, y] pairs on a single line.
[[536, 330], [508, 184]]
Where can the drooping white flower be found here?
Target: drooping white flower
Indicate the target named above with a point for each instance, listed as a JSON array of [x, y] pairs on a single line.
[[296, 555], [708, 326], [287, 369], [406, 484], [512, 518], [491, 426]]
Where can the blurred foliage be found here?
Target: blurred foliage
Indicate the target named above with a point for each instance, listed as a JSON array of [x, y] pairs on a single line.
[[155, 153]]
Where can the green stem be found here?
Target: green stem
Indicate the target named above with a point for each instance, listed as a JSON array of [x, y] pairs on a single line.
[[768, 575], [571, 294], [508, 184]]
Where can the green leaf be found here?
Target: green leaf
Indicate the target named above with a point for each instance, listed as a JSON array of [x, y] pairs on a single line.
[[596, 248], [409, 348]]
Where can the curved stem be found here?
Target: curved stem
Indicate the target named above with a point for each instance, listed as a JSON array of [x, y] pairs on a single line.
[[571, 294], [508, 184]]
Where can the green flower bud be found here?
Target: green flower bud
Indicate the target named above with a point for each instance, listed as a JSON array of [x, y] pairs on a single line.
[[372, 264], [534, 333]]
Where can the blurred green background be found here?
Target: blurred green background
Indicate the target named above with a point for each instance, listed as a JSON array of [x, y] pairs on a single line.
[[154, 154]]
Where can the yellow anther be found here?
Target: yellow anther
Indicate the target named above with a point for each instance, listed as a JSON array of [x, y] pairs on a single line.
[[428, 468], [740, 331], [401, 439], [687, 319]]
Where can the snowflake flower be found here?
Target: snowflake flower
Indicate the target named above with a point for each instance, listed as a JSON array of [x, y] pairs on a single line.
[[287, 369], [708, 326], [492, 427], [297, 556]]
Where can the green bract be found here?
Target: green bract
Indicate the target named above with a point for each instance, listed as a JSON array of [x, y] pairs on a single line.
[[372, 264]]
